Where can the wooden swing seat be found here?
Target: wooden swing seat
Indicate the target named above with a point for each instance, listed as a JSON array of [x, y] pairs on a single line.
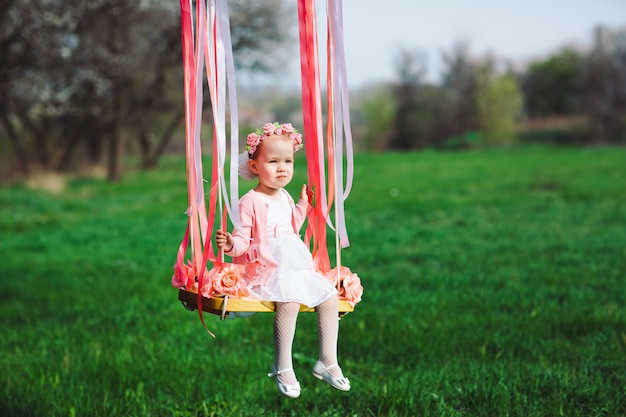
[[222, 306]]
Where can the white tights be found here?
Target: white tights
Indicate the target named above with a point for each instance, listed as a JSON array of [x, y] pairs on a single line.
[[285, 328]]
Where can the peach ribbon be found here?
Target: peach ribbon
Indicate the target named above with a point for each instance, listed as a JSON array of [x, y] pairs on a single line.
[[208, 45], [338, 133]]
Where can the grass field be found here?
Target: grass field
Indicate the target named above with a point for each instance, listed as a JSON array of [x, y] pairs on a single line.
[[494, 286]]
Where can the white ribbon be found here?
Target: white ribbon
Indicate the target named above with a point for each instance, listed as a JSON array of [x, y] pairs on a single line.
[[220, 73], [341, 117]]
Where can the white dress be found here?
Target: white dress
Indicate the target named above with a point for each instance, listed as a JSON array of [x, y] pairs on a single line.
[[295, 278]]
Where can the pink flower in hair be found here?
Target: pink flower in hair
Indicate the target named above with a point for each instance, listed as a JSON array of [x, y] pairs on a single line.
[[287, 128], [273, 129], [297, 139], [268, 128], [252, 142]]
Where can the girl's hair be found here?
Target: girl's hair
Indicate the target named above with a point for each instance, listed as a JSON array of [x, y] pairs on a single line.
[[244, 169]]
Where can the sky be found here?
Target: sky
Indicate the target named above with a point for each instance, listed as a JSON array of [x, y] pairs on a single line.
[[519, 30]]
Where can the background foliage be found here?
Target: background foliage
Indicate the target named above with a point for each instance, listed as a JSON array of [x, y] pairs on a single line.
[[86, 83], [98, 85]]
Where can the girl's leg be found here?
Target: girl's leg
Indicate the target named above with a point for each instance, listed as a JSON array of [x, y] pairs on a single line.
[[328, 331], [284, 330]]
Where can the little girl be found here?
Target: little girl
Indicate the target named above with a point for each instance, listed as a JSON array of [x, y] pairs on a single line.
[[279, 265]]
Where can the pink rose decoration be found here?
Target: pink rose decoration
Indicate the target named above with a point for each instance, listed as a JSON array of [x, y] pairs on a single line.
[[225, 279], [253, 139], [184, 276], [178, 279], [350, 287], [252, 142], [297, 139], [287, 128], [268, 128], [353, 290]]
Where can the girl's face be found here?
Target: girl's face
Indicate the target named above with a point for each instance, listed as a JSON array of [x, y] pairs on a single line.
[[273, 164]]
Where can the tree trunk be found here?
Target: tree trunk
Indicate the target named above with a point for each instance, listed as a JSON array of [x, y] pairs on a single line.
[[73, 135], [116, 145], [19, 150], [116, 156], [40, 149], [152, 158]]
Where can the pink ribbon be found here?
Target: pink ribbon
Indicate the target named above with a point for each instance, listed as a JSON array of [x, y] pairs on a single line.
[[338, 130], [312, 115], [209, 44], [192, 70]]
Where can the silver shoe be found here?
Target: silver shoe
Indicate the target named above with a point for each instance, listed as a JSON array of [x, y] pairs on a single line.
[[323, 372], [288, 390]]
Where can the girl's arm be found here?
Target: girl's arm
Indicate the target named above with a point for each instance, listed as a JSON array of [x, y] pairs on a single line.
[[302, 208], [237, 243]]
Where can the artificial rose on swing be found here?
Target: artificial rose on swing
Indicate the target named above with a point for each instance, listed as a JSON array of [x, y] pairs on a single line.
[[348, 284], [184, 275], [224, 279]]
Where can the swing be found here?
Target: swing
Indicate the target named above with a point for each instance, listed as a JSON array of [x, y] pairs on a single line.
[[207, 38], [224, 306]]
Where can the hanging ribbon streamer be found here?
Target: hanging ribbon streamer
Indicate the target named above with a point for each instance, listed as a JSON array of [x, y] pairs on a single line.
[[338, 125], [221, 79], [312, 115], [209, 44], [340, 121], [193, 63]]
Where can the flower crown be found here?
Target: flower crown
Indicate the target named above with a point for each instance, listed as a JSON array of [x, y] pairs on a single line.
[[273, 129]]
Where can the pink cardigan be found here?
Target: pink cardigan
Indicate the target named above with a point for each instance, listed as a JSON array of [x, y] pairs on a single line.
[[250, 247]]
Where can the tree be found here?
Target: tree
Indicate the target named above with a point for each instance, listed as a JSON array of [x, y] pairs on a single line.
[[499, 103], [378, 117], [411, 68], [459, 81], [553, 86], [259, 29], [77, 77], [604, 84]]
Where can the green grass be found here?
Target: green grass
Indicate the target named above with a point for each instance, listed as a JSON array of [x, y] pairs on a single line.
[[494, 286]]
